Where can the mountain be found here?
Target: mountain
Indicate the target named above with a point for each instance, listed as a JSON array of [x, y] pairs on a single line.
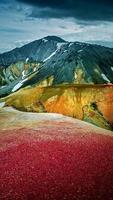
[[54, 75], [53, 61], [36, 50]]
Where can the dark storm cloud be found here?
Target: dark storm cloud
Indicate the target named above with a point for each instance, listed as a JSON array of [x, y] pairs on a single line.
[[4, 1], [79, 9]]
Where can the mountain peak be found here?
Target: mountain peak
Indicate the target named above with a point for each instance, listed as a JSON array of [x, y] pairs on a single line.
[[55, 38]]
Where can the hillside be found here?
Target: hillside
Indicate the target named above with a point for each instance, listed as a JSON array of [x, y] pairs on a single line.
[[51, 156], [90, 103]]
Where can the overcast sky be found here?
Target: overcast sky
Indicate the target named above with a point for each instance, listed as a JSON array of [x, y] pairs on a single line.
[[22, 21]]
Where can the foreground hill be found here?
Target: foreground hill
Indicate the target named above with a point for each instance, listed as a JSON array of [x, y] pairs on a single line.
[[50, 156], [57, 60], [91, 103]]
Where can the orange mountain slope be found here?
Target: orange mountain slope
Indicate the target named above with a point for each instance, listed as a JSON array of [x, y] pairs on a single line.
[[92, 103]]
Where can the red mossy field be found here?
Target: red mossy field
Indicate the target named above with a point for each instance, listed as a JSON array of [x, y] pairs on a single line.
[[56, 162]]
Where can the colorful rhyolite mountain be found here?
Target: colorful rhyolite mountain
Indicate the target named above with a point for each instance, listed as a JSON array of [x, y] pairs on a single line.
[[71, 78], [55, 59], [53, 157]]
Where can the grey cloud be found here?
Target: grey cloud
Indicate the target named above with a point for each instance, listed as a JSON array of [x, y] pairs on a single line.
[[79, 9]]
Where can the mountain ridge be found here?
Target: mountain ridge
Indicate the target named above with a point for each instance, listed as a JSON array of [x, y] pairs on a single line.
[[27, 50], [32, 45]]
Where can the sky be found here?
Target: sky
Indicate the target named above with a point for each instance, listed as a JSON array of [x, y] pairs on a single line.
[[23, 21]]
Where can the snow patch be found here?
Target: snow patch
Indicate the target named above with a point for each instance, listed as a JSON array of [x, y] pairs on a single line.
[[50, 56], [3, 86], [70, 44], [105, 78], [35, 69], [58, 47], [2, 104], [75, 75], [80, 50], [27, 59], [111, 68], [23, 74], [44, 40], [16, 87], [60, 44]]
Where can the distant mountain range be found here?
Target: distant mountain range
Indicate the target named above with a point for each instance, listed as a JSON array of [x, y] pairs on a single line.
[[52, 61], [102, 43]]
